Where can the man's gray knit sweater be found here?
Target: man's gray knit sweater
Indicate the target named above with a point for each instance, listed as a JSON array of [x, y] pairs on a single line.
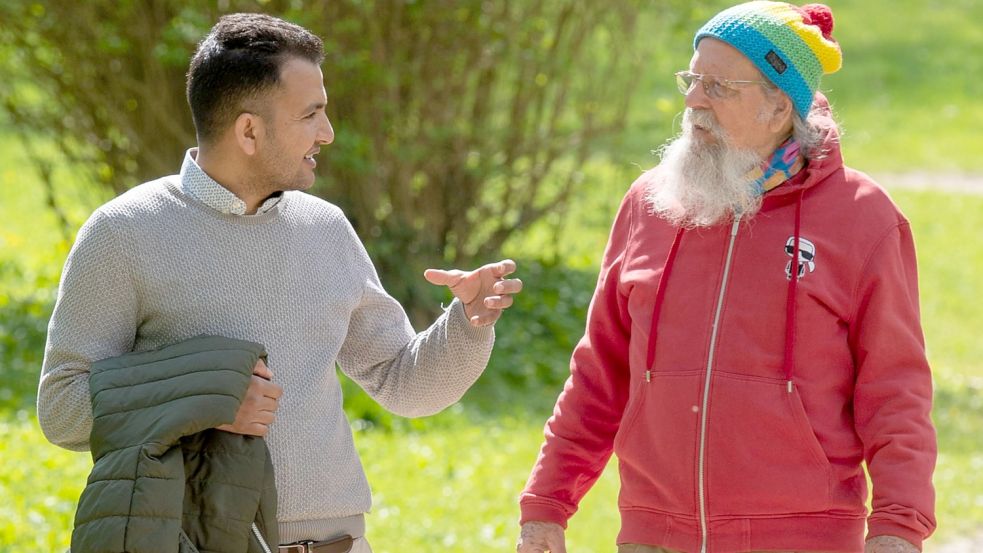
[[156, 266]]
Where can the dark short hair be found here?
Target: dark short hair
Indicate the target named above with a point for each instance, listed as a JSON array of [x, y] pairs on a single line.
[[239, 59]]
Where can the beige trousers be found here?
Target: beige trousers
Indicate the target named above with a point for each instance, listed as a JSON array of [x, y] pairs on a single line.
[[361, 545]]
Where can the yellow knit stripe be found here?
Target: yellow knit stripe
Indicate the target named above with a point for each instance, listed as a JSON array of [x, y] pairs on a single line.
[[827, 52]]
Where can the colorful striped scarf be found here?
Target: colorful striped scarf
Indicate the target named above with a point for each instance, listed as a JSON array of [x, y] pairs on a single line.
[[783, 165]]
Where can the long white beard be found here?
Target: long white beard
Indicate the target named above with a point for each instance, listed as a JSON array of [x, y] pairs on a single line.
[[703, 182]]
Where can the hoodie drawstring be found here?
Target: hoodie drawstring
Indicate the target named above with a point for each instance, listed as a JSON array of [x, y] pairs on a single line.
[[659, 297], [788, 362]]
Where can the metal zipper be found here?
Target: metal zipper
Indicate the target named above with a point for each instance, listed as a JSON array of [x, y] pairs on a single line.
[[259, 538], [706, 387]]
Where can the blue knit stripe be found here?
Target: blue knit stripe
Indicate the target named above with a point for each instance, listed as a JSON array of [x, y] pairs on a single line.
[[793, 48], [756, 46]]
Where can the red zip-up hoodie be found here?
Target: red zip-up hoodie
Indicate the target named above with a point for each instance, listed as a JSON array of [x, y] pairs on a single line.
[[741, 388]]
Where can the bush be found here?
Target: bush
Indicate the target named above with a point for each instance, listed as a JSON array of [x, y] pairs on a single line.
[[23, 328]]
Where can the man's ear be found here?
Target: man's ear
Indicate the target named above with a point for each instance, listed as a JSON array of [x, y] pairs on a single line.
[[248, 128], [781, 116]]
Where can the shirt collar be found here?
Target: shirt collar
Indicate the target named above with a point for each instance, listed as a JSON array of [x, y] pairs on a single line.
[[197, 184]]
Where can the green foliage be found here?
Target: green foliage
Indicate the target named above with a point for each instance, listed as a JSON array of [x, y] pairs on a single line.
[[452, 116], [40, 485], [23, 326]]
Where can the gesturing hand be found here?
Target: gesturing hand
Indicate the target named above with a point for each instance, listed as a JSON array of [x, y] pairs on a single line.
[[258, 408], [483, 291]]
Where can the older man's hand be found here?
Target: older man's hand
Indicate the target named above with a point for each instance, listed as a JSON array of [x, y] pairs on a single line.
[[539, 537], [889, 544], [484, 291]]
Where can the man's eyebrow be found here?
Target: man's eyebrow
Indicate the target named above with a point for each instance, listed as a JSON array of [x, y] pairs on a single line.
[[315, 106]]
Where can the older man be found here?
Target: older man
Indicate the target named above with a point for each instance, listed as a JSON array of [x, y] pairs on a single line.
[[754, 337]]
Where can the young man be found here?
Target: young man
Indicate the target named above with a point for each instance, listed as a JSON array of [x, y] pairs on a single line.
[[754, 337], [232, 247]]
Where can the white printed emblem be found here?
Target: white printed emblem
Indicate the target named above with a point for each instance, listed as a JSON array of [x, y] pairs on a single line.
[[806, 257]]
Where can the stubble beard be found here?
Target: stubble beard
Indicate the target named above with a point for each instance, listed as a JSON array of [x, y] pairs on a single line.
[[703, 182], [276, 174]]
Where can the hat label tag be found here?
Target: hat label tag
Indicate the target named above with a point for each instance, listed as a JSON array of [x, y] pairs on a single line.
[[776, 62]]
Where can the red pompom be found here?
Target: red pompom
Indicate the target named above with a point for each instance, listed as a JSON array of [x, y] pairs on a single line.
[[821, 16]]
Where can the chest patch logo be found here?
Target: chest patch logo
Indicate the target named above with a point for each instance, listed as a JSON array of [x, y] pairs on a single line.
[[806, 262]]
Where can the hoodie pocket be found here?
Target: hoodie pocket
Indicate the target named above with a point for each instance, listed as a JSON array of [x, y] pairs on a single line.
[[763, 457], [656, 444]]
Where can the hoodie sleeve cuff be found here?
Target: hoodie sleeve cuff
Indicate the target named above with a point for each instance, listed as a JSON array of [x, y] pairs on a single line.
[[458, 319], [542, 511]]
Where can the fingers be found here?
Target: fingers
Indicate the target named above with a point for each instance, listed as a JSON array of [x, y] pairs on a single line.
[[504, 289], [451, 277], [441, 277], [502, 268], [258, 408], [498, 302], [252, 429], [486, 319], [265, 388], [510, 286], [262, 370]]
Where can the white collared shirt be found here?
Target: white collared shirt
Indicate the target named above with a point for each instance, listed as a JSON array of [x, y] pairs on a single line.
[[197, 184]]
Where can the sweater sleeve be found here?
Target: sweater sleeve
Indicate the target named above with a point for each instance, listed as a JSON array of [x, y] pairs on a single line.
[[580, 434], [412, 375], [893, 391], [95, 317]]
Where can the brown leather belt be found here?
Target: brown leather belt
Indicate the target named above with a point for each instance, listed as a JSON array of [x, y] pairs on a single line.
[[336, 545]]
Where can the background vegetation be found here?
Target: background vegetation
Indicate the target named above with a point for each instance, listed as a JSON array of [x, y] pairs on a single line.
[[907, 99]]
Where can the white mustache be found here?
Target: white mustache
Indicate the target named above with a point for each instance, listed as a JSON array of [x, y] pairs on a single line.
[[704, 119]]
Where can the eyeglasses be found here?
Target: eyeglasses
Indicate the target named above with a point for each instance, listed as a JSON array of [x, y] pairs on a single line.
[[715, 87]]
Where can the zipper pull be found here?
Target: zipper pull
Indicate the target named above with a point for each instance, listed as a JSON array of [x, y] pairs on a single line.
[[648, 376], [790, 385]]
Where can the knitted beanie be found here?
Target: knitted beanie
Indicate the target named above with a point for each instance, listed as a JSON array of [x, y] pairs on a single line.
[[792, 46]]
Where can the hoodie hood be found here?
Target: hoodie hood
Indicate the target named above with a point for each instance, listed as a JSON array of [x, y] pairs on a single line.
[[821, 165]]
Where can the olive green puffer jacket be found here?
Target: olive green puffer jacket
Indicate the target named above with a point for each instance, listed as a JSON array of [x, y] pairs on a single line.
[[164, 479]]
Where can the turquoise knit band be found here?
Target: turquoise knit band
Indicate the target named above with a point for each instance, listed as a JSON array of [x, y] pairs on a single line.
[[791, 46]]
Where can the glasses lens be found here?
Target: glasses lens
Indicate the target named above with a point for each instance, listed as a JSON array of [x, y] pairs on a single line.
[[718, 89], [684, 81]]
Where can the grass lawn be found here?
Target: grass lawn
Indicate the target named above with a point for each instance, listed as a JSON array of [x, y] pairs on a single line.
[[452, 480]]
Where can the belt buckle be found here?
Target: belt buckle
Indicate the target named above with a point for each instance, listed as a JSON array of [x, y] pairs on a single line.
[[300, 547]]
